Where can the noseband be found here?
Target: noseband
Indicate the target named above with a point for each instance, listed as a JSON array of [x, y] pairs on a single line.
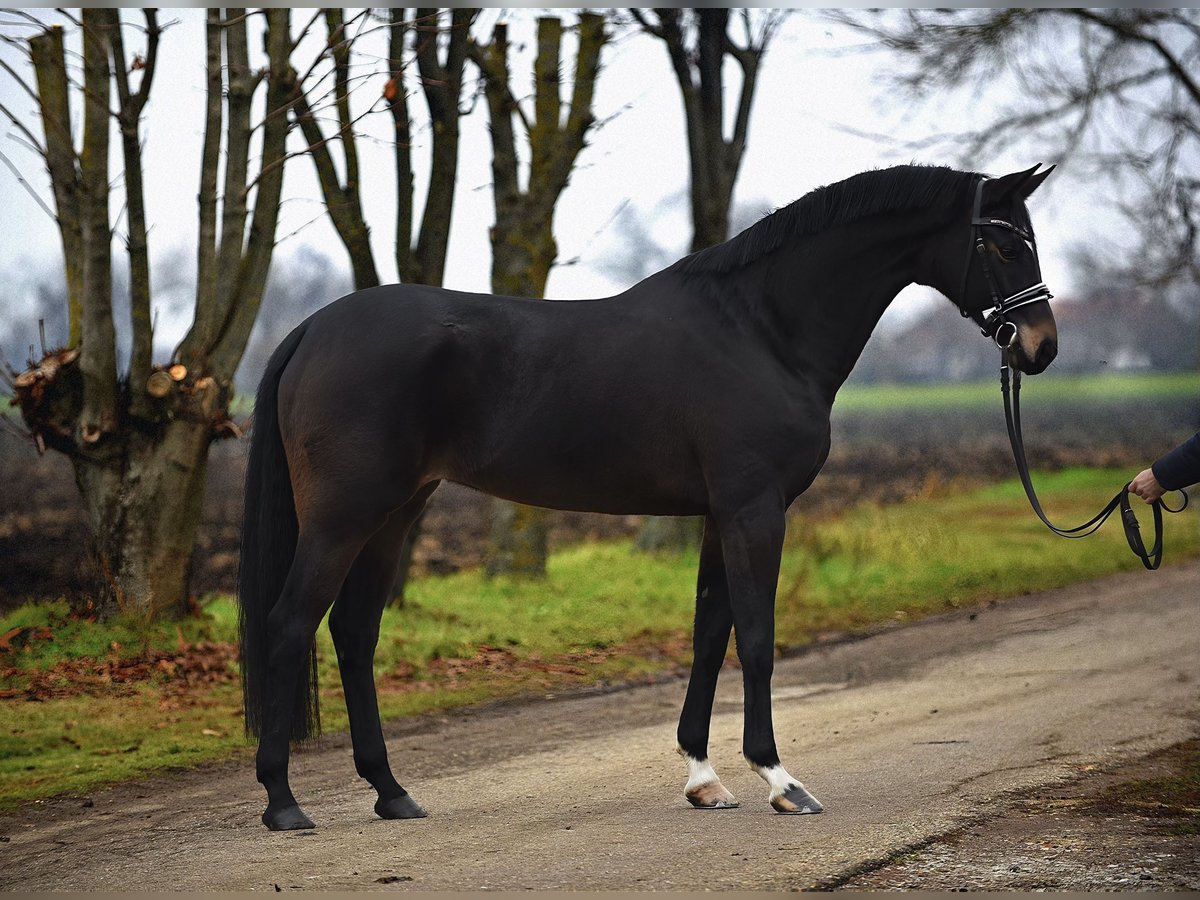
[[995, 318]]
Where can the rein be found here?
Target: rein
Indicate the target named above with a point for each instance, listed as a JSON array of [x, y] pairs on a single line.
[[995, 324], [1151, 558]]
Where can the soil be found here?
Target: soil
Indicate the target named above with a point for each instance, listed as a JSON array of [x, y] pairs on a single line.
[[1134, 828]]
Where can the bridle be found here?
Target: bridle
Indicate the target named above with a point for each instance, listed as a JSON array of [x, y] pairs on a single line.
[[997, 327], [995, 318]]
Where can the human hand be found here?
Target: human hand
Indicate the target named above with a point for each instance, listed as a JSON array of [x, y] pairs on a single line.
[[1146, 486]]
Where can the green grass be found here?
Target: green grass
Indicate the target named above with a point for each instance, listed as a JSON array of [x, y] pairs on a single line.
[[1049, 389], [604, 613]]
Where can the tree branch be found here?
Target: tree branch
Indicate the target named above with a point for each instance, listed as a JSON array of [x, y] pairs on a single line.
[[396, 96], [1128, 33], [252, 272], [98, 353], [341, 201], [206, 256], [492, 61], [216, 296], [54, 104], [443, 94], [28, 187], [128, 116]]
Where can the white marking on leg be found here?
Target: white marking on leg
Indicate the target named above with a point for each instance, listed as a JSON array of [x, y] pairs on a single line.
[[781, 782], [700, 773], [704, 788], [777, 777]]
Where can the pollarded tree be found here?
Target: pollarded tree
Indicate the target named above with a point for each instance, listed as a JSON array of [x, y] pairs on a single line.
[[523, 245], [136, 432]]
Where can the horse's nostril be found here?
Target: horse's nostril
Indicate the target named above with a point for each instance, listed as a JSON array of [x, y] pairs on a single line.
[[1046, 352]]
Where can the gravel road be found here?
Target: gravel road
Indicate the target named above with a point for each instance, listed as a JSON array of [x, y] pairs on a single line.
[[904, 735]]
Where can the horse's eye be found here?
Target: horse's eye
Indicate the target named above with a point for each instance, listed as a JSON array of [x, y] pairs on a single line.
[[1008, 251]]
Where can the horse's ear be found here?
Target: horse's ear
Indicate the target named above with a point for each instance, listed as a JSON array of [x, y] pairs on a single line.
[[998, 190], [1035, 181]]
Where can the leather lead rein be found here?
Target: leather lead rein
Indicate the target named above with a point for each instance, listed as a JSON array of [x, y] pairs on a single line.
[[1152, 558]]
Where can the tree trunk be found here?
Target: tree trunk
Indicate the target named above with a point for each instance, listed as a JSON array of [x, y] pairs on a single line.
[[518, 541], [669, 534], [142, 547]]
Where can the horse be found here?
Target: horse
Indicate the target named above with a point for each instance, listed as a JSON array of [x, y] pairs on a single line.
[[703, 390]]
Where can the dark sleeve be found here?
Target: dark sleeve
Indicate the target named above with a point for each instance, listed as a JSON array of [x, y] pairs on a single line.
[[1181, 466]]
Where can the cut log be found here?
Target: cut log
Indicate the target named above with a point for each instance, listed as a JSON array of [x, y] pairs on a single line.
[[178, 372], [159, 384]]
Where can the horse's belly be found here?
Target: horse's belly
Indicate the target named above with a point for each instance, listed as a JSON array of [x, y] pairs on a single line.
[[603, 488]]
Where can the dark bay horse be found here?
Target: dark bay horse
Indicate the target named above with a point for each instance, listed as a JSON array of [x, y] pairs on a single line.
[[704, 390]]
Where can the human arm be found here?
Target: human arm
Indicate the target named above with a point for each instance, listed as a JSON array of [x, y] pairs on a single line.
[[1180, 467]]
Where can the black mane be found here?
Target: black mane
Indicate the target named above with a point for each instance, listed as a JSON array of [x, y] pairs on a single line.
[[866, 194]]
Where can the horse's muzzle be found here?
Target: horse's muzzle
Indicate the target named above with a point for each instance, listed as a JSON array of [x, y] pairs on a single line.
[[1019, 357]]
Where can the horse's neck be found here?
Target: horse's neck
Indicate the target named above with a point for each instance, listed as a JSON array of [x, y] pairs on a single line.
[[828, 291]]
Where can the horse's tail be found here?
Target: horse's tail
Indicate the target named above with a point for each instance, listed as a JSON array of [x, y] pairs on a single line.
[[269, 531]]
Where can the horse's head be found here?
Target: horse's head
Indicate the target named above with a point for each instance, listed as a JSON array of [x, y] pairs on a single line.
[[1000, 282]]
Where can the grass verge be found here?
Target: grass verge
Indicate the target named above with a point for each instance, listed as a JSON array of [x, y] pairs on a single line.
[[121, 699]]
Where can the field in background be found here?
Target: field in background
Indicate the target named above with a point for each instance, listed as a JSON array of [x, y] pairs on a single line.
[[1056, 390]]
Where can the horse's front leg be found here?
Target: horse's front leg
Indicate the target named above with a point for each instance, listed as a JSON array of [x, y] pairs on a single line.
[[752, 541], [710, 640]]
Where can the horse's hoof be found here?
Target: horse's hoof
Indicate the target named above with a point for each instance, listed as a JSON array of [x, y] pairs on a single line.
[[402, 807], [289, 818], [796, 801], [711, 796]]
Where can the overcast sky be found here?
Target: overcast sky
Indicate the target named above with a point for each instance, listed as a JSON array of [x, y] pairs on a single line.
[[810, 87]]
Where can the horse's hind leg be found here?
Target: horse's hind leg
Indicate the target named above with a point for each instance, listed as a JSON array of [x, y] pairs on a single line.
[[354, 624], [324, 552], [710, 640]]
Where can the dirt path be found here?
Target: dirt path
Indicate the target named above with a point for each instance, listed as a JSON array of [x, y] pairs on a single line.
[[907, 735]]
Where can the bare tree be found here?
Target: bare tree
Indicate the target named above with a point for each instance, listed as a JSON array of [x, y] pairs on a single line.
[[1113, 90], [698, 42], [138, 433], [441, 54], [342, 192], [523, 245]]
